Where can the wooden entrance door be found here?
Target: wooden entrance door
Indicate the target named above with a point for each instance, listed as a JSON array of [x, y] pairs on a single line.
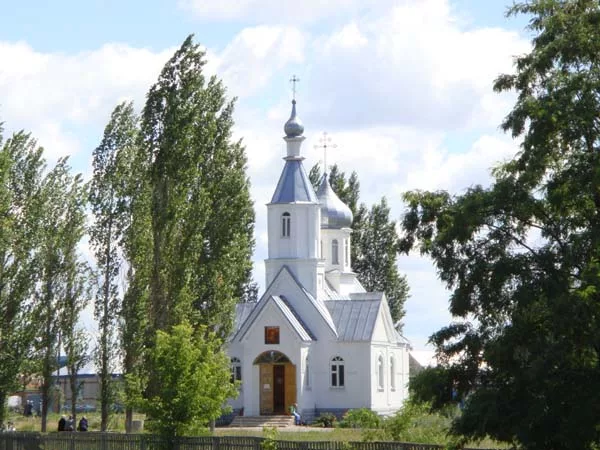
[[266, 389], [279, 377]]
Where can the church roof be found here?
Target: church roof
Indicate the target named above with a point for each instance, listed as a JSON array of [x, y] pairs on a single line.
[[354, 319], [294, 319], [242, 312], [335, 213], [250, 314], [294, 185]]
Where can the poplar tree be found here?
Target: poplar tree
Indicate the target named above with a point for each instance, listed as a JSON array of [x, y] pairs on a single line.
[[63, 198], [201, 212], [21, 167], [108, 207]]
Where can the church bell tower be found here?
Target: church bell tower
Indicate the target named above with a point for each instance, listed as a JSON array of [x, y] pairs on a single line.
[[294, 216]]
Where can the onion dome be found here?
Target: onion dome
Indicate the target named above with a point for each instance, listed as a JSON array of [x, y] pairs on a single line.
[[334, 212], [293, 127]]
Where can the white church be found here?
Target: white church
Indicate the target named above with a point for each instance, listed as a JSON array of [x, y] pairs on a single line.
[[315, 337]]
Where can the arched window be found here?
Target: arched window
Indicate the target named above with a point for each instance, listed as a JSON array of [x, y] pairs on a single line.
[[307, 373], [337, 372], [393, 373], [380, 374], [236, 370], [334, 252], [347, 252], [286, 224]]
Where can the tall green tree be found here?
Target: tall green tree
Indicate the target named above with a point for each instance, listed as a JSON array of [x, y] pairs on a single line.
[[108, 206], [194, 374], [201, 212], [63, 197], [75, 341], [376, 258], [136, 243], [21, 212], [374, 240], [522, 257]]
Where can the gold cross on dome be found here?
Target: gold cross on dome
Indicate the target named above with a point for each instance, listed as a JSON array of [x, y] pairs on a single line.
[[294, 80], [325, 143]]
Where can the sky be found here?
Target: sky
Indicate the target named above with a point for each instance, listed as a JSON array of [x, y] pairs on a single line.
[[402, 87]]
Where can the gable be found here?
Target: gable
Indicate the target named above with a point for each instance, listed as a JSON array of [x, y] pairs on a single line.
[[309, 309], [279, 312]]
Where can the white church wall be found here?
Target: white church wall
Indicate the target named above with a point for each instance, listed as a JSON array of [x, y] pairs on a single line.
[[254, 344], [356, 376], [388, 395], [304, 231]]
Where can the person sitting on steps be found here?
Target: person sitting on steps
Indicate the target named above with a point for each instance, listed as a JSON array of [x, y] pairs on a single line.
[[296, 414]]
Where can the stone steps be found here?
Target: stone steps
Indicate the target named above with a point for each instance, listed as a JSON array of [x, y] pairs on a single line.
[[263, 421]]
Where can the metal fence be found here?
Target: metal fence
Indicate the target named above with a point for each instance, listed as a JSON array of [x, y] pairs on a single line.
[[114, 441]]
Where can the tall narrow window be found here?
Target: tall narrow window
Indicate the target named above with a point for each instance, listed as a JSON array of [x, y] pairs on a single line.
[[321, 250], [337, 372], [334, 252], [347, 252], [392, 373], [286, 224], [380, 373], [307, 373], [236, 370]]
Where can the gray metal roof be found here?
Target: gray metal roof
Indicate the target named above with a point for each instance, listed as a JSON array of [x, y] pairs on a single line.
[[294, 319], [354, 319], [294, 184], [242, 311]]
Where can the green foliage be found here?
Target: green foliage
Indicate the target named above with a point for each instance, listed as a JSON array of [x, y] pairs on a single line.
[[270, 435], [326, 420], [62, 197], [201, 213], [522, 256], [21, 213], [193, 373], [108, 202], [432, 385], [360, 418], [414, 423], [374, 243]]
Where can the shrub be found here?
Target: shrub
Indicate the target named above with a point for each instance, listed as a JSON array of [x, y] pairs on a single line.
[[326, 420], [360, 418]]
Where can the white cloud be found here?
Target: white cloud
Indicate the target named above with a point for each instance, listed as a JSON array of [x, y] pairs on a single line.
[[250, 60], [48, 93], [274, 11], [412, 66]]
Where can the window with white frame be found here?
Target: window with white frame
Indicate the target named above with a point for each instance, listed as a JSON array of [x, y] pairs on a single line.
[[236, 369], [337, 372], [286, 224], [380, 373], [334, 252], [392, 373]]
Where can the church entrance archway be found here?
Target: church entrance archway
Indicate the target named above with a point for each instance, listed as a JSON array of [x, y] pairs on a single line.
[[277, 382]]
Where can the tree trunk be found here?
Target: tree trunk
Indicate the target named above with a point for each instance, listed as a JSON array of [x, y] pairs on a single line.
[[128, 419], [3, 396]]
